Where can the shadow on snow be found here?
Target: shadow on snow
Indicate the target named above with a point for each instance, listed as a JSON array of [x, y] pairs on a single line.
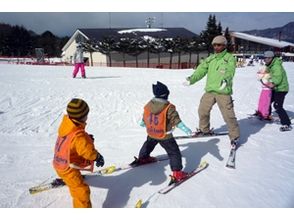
[[120, 186]]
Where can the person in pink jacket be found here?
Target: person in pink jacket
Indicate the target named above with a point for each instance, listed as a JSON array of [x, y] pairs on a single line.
[[79, 62], [263, 111]]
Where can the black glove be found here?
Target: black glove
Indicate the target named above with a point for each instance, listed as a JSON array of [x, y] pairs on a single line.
[[99, 161], [92, 137]]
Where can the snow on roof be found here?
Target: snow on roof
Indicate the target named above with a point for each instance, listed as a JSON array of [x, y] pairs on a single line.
[[262, 40], [288, 54], [141, 30]]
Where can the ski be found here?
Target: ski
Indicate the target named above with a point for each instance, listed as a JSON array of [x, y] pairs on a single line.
[[213, 134], [231, 159], [203, 165], [57, 182], [113, 168], [274, 118]]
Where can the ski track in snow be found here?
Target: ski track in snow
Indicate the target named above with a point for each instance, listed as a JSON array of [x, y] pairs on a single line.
[[34, 98]]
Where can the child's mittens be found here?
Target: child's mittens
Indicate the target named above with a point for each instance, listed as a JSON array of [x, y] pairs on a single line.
[[270, 85], [142, 123], [187, 81], [184, 128]]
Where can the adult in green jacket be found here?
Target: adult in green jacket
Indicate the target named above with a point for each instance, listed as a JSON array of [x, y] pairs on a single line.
[[280, 87], [219, 69]]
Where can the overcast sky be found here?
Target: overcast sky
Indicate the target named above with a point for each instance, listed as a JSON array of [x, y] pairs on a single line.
[[65, 23]]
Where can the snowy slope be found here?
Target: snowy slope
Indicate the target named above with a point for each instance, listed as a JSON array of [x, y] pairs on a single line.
[[33, 98]]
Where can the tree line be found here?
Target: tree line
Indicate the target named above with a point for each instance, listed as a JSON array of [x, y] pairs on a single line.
[[18, 41]]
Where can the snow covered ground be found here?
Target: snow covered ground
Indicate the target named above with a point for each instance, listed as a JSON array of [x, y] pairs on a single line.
[[33, 99]]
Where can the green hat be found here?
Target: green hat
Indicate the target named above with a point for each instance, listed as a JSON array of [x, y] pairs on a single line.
[[77, 109]]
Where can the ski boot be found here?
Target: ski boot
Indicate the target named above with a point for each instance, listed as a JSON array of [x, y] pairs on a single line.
[[234, 143], [286, 128], [256, 113], [268, 118], [201, 133], [143, 160], [177, 176]]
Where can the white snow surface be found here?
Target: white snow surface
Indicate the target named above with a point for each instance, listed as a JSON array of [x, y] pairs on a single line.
[[33, 100]]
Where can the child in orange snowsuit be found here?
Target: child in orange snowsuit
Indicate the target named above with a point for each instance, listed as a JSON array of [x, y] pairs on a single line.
[[75, 151]]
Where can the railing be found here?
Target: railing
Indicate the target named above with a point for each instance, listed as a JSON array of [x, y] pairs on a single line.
[[58, 62]]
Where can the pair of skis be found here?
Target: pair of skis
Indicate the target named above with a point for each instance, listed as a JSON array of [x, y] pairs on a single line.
[[232, 156], [57, 183]]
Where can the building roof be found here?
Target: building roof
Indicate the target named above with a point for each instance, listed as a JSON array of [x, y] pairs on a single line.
[[99, 34], [262, 40]]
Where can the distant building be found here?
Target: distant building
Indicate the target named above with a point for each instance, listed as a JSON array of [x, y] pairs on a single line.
[[161, 60], [250, 44]]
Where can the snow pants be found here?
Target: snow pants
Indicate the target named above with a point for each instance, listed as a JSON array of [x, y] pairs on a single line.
[[278, 100], [170, 146], [264, 102], [226, 106], [79, 190], [76, 70]]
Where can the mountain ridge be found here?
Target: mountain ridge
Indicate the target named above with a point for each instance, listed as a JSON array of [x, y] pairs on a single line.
[[284, 33]]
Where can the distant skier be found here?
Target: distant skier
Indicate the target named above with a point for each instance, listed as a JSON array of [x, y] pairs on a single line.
[[159, 118], [264, 102], [75, 151], [280, 86], [220, 69], [79, 62]]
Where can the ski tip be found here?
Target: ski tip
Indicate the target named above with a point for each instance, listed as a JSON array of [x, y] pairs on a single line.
[[107, 170], [139, 204], [203, 164], [230, 167], [32, 191]]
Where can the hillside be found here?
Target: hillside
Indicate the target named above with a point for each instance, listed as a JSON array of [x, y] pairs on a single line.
[[286, 32]]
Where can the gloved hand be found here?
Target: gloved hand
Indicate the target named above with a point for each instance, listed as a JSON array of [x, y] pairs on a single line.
[[270, 85], [223, 84], [184, 128], [187, 82], [99, 161], [92, 137], [142, 123]]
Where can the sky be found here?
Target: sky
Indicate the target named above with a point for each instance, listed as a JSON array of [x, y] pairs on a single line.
[[65, 23]]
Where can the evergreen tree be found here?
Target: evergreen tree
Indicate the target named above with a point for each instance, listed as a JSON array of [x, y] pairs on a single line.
[[157, 47], [19, 42], [194, 45], [219, 29], [123, 46], [137, 46], [49, 42], [169, 47], [180, 45], [106, 46], [211, 31], [230, 46], [89, 47]]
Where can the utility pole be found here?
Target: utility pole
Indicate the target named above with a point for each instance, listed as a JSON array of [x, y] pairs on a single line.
[[149, 21], [109, 19], [161, 18]]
